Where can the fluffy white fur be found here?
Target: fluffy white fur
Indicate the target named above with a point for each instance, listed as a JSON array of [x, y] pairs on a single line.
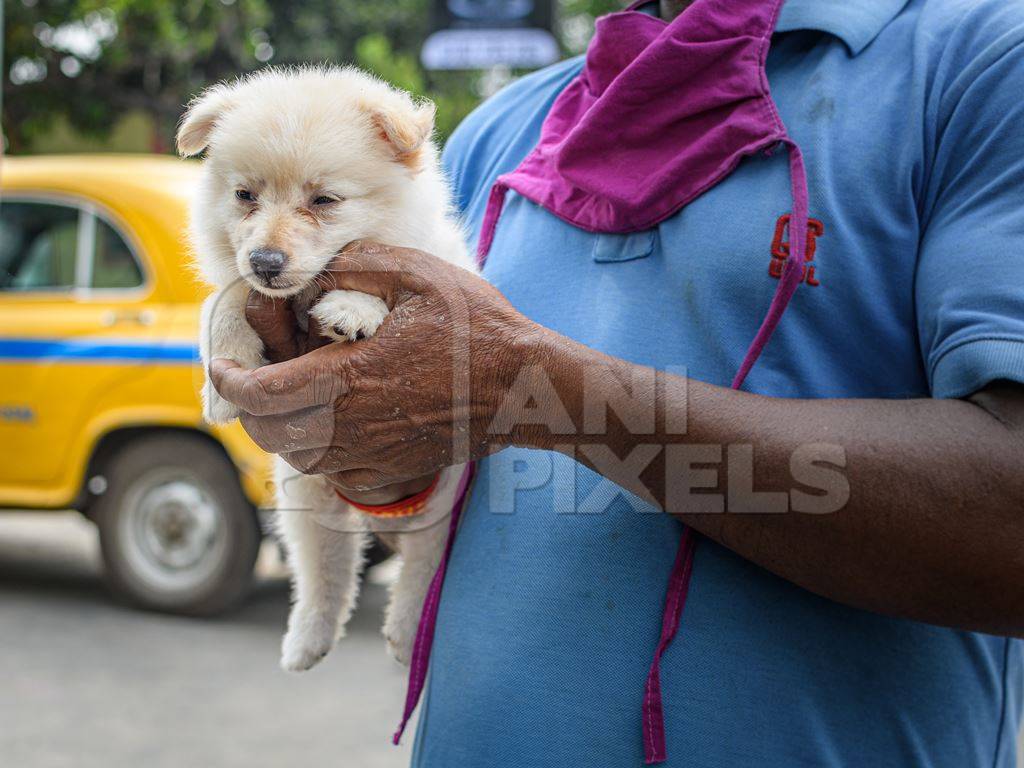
[[327, 156]]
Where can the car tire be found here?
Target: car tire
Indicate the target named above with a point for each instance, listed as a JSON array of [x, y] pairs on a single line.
[[176, 532]]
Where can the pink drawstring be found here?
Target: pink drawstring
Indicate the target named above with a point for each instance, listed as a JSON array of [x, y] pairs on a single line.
[[679, 579], [495, 202], [428, 617], [794, 269], [675, 601]]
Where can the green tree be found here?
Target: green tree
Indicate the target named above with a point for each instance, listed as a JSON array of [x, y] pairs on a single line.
[[91, 63]]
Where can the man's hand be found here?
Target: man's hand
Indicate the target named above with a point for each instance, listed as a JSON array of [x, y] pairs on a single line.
[[283, 339], [927, 527], [395, 408]]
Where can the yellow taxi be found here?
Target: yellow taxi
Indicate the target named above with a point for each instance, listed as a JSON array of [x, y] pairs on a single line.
[[99, 379]]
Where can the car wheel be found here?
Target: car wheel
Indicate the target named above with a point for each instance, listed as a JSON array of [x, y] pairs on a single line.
[[176, 532]]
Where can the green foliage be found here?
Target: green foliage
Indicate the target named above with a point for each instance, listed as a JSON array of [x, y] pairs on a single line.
[[92, 61], [87, 65], [375, 52]]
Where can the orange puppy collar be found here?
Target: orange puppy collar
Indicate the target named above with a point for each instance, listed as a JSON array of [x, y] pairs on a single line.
[[407, 507]]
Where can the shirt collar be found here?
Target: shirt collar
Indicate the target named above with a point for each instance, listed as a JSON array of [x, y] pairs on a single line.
[[855, 22]]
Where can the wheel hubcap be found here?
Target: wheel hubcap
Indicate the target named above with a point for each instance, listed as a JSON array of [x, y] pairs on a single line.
[[173, 531], [179, 523]]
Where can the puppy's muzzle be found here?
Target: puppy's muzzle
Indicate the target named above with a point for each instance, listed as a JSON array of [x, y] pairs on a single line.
[[267, 264]]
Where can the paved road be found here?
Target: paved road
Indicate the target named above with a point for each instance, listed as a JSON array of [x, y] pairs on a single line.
[[87, 683]]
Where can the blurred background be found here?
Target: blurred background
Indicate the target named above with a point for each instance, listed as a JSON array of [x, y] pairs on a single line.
[[90, 75], [142, 593]]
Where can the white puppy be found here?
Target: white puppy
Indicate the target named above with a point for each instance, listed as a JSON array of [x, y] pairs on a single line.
[[298, 163]]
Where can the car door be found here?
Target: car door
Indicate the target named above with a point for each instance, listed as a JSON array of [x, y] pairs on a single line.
[[72, 307]]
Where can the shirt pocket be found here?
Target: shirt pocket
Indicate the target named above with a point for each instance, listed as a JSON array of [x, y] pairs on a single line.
[[628, 247]]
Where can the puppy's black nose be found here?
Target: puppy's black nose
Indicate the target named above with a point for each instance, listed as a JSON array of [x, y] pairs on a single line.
[[267, 263]]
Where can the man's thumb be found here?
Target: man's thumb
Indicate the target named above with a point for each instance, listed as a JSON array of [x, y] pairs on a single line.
[[275, 324]]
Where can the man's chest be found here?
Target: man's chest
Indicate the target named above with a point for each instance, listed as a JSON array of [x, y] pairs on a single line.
[[693, 291]]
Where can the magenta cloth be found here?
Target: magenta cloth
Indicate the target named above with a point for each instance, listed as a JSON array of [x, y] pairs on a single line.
[[660, 113]]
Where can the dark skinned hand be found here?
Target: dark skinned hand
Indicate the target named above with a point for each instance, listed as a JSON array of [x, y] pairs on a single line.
[[923, 518], [379, 417]]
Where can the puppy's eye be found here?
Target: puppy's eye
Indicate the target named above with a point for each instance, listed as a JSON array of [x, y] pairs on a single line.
[[325, 200], [245, 195]]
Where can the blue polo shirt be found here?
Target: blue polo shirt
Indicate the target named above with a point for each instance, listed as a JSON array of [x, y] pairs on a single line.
[[911, 115]]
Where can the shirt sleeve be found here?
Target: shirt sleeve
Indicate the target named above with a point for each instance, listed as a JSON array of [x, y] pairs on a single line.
[[969, 288]]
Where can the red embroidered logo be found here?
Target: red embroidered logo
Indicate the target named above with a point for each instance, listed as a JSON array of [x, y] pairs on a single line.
[[780, 248]]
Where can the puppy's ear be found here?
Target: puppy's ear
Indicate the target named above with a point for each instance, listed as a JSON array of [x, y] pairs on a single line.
[[405, 126], [200, 118]]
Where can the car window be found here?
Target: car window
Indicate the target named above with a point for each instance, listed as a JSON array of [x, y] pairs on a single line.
[[113, 266], [38, 243]]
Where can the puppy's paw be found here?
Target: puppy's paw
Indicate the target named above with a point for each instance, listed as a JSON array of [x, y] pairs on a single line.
[[349, 315], [310, 637], [401, 637], [400, 649]]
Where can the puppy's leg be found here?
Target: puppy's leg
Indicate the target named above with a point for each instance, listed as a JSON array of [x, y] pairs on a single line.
[[421, 550], [349, 315], [325, 542], [225, 333]]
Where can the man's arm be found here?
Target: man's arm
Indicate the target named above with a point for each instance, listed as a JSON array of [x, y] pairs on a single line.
[[912, 508], [930, 493]]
